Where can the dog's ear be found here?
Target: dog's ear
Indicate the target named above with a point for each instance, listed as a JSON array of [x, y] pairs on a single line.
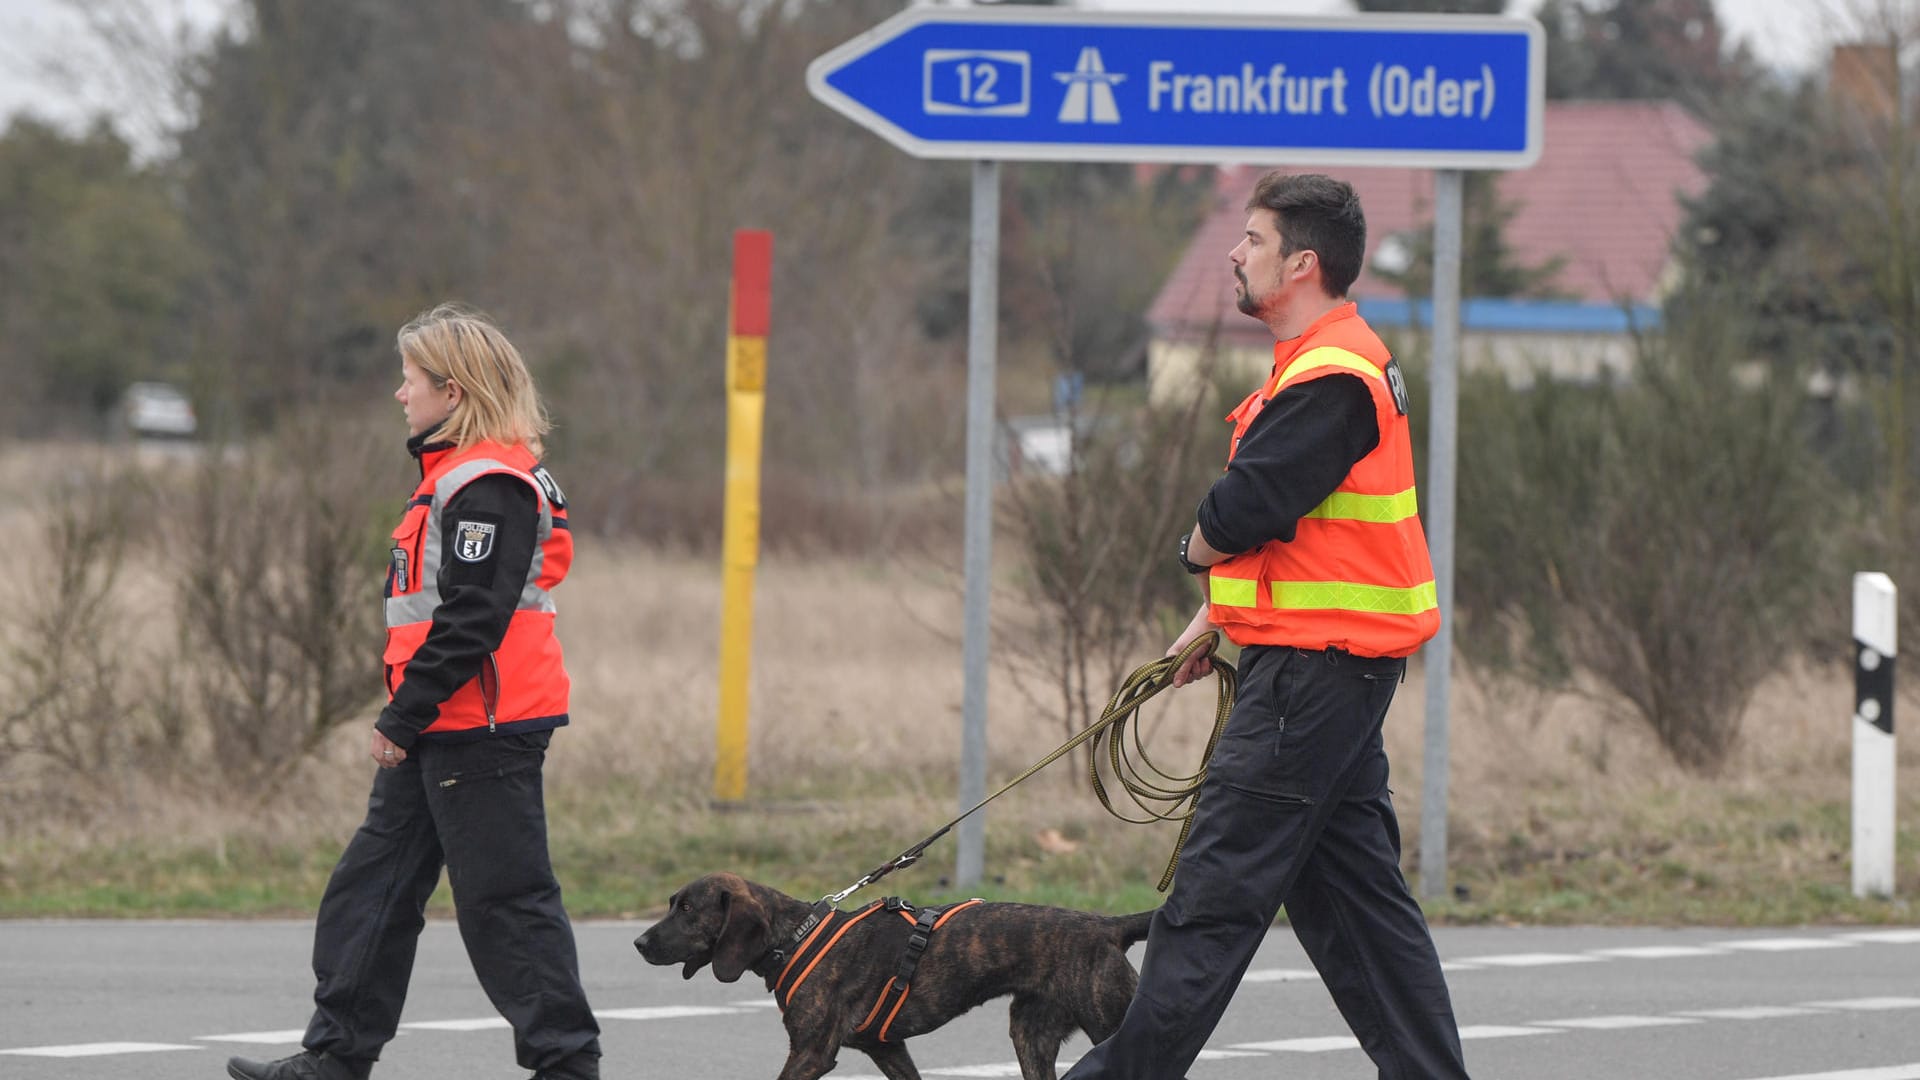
[[744, 936]]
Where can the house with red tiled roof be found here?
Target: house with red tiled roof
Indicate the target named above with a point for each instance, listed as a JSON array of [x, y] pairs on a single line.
[[1603, 200]]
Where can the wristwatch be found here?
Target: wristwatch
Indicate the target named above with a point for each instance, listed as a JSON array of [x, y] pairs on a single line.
[[1187, 564]]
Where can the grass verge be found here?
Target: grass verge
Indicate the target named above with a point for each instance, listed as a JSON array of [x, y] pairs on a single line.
[[1749, 863]]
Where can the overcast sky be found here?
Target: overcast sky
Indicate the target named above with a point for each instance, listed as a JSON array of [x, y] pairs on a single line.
[[36, 33]]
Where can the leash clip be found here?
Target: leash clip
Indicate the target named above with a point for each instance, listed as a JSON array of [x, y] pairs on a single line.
[[833, 899]]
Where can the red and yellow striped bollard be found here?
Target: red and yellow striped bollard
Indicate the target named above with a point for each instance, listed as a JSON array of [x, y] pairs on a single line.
[[749, 315]]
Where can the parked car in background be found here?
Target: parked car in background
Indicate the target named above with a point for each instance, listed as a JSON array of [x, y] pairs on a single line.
[[157, 410]]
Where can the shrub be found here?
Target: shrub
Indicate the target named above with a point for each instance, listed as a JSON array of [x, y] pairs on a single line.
[[1662, 534]]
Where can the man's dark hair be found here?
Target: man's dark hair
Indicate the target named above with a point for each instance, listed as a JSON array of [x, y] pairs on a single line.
[[1318, 214]]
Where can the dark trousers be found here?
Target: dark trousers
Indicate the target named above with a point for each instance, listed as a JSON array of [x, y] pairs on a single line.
[[1294, 811], [478, 809]]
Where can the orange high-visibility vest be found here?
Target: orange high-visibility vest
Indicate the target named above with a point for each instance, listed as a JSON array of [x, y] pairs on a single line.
[[524, 679], [1356, 575]]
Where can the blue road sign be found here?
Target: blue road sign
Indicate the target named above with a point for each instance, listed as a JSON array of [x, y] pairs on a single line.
[[1436, 91]]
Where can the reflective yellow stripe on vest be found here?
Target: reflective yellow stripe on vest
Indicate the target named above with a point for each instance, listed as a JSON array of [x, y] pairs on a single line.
[[1377, 509], [1232, 592], [1330, 356], [1326, 596], [1346, 596]]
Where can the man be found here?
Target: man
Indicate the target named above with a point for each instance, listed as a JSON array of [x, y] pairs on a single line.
[[1314, 562]]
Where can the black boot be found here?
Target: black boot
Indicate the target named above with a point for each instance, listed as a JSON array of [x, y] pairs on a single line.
[[305, 1065]]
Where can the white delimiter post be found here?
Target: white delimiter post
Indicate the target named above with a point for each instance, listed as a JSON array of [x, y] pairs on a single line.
[[1875, 621]]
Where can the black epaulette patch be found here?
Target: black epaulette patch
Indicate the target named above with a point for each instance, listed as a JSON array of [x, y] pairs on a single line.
[[1397, 383], [547, 484]]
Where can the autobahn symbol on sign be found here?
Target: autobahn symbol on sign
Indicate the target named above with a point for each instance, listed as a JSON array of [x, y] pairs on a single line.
[[1435, 91], [1089, 91]]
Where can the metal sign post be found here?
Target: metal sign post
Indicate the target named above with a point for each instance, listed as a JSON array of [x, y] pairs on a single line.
[[983, 325], [1443, 413], [1446, 92]]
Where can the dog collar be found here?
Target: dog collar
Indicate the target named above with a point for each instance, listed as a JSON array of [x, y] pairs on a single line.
[[778, 955]]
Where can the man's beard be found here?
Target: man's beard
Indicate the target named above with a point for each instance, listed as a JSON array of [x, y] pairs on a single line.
[[1244, 298]]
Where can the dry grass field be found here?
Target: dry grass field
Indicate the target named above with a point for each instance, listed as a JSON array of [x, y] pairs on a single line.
[[1562, 809]]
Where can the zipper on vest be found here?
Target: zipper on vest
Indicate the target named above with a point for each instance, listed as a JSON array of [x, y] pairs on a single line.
[[490, 697]]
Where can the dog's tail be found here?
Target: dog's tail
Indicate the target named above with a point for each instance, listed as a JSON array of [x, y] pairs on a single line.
[[1133, 927]]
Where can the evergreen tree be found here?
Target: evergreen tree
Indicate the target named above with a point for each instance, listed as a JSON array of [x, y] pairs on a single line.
[[1640, 50], [95, 261]]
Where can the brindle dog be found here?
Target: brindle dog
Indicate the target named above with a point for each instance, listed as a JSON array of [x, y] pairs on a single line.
[[1066, 970]]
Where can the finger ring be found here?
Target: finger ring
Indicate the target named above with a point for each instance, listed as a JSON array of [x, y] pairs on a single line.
[[387, 752]]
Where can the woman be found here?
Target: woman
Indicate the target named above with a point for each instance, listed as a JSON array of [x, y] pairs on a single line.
[[475, 688]]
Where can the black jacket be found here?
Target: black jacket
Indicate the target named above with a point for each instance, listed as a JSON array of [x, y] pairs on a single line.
[[1294, 454]]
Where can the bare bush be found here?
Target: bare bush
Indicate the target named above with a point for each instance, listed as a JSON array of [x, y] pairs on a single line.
[[276, 564], [71, 654], [1098, 543]]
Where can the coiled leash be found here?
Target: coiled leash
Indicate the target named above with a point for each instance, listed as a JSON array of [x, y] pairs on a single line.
[[1148, 786]]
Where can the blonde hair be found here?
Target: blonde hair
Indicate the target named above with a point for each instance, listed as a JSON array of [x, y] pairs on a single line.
[[452, 343]]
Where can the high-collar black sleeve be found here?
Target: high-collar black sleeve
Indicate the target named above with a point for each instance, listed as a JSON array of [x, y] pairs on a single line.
[[1294, 454], [477, 602]]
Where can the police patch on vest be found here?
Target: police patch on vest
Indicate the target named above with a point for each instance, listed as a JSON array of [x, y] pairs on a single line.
[[473, 540], [1397, 383]]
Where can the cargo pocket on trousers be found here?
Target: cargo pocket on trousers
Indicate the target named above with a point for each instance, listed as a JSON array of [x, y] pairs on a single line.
[[1254, 755]]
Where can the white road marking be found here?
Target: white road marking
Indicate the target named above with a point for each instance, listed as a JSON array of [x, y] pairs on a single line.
[[664, 1012], [271, 1038], [1750, 1012], [1534, 959], [1785, 944], [96, 1049], [1867, 1004], [1658, 952], [1317, 1044], [1885, 1072], [1617, 1023], [1501, 1031], [482, 1024], [1282, 975], [1631, 952], [1886, 937]]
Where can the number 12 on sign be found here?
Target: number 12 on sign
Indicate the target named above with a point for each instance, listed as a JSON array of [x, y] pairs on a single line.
[[972, 82]]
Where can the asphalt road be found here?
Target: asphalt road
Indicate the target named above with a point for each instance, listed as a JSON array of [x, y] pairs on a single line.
[[166, 1000]]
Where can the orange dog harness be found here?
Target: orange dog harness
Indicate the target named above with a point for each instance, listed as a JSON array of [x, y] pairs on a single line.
[[835, 926]]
